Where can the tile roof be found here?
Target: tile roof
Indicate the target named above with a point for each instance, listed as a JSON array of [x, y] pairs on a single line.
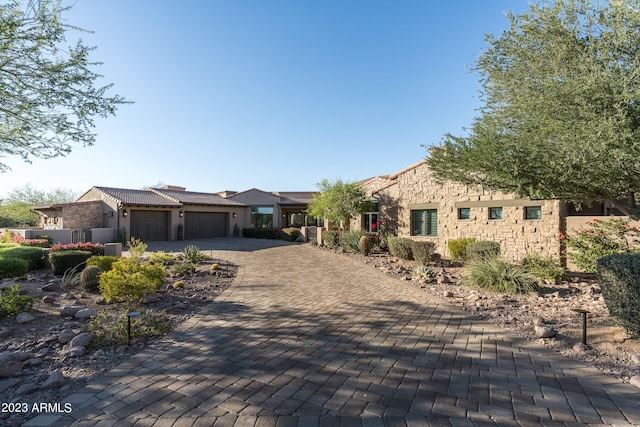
[[194, 198], [138, 197]]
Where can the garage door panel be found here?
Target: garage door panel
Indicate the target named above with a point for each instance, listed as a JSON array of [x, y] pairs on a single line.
[[149, 226], [205, 225]]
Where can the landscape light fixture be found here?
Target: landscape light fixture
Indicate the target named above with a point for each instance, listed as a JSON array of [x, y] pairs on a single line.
[[584, 323]]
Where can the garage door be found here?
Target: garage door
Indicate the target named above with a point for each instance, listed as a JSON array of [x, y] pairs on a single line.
[[205, 225], [150, 226]]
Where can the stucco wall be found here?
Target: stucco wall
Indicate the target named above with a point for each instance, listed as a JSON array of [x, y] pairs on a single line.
[[417, 188]]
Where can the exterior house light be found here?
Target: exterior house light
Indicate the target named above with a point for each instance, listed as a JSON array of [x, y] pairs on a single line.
[[235, 215], [124, 213], [181, 214]]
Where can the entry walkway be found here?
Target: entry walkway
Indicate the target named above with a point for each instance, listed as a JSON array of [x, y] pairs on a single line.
[[306, 337]]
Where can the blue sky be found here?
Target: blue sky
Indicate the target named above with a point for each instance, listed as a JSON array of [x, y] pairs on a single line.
[[272, 94]]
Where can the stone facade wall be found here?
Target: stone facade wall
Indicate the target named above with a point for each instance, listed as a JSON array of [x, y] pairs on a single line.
[[74, 215], [417, 189]]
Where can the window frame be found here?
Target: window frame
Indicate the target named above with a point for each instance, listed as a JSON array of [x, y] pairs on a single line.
[[429, 220], [496, 217], [468, 211], [527, 210]]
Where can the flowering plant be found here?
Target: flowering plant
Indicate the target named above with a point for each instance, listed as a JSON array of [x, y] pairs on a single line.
[[94, 248], [600, 238]]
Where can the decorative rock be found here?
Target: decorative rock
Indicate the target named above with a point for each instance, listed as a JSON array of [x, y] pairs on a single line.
[[25, 389], [449, 294], [74, 351], [66, 336], [23, 318], [635, 381], [20, 356], [5, 333], [51, 287], [149, 299], [55, 380], [34, 361], [101, 301], [81, 340], [69, 310], [544, 332], [85, 313], [8, 383], [580, 347], [48, 299], [10, 369], [636, 358]]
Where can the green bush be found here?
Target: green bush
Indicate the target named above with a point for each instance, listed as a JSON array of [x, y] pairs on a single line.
[[183, 269], [619, 278], [400, 247], [136, 248], [34, 256], [62, 261], [90, 278], [94, 248], [13, 267], [5, 245], [492, 273], [331, 238], [483, 249], [458, 248], [193, 254], [350, 240], [543, 267], [103, 261], [422, 251], [12, 303], [161, 257], [290, 234], [112, 328], [130, 279]]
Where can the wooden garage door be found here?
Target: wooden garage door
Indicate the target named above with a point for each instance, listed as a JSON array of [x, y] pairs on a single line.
[[205, 225], [150, 226]]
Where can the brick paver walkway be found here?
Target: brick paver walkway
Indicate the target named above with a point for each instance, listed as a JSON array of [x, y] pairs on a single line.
[[307, 337]]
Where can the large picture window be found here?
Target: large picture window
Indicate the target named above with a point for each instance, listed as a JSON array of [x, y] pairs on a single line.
[[262, 216], [424, 222]]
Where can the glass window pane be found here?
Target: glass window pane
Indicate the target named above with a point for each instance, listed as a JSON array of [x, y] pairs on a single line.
[[464, 213], [533, 212], [495, 213]]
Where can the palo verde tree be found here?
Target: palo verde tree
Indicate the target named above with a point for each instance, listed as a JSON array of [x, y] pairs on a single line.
[[561, 107], [48, 92], [338, 202]]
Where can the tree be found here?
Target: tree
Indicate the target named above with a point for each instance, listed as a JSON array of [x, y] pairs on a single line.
[[561, 107], [15, 211], [48, 98], [338, 202]]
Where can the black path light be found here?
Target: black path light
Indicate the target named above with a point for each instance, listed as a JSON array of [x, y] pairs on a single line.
[[584, 323], [129, 316]]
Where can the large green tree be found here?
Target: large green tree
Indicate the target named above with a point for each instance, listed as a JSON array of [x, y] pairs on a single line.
[[48, 92], [561, 107], [338, 202], [15, 210]]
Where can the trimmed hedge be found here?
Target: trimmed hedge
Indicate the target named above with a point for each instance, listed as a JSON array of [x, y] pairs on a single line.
[[400, 247], [331, 238], [34, 256], [422, 251], [619, 278], [13, 267], [290, 234], [483, 249], [61, 261], [262, 233]]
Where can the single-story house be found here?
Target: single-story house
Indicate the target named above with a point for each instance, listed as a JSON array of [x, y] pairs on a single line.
[[412, 203], [172, 213]]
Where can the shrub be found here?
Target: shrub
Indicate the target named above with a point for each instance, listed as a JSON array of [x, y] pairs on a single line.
[[64, 260], [600, 238], [262, 233], [183, 269], [331, 238], [400, 247], [90, 278], [103, 261], [12, 303], [111, 328], [94, 248], [458, 248], [483, 249], [34, 256], [382, 242], [619, 277], [543, 267], [130, 279], [161, 257], [137, 248], [193, 254], [350, 240], [13, 267], [36, 242], [492, 273], [422, 251], [290, 234]]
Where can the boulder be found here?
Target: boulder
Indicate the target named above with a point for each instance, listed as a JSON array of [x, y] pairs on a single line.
[[55, 380], [11, 368], [81, 340], [48, 299], [85, 313], [635, 381], [51, 287], [74, 351], [70, 310], [23, 318], [65, 336], [8, 383]]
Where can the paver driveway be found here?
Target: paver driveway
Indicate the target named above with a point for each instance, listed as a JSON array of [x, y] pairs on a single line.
[[309, 337]]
